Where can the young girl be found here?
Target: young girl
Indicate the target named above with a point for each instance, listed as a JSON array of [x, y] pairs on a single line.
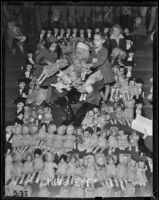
[[100, 60]]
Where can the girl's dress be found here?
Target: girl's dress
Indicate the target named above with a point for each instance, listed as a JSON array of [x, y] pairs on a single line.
[[103, 64]]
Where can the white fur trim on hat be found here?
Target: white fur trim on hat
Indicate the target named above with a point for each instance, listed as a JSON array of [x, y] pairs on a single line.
[[81, 45]]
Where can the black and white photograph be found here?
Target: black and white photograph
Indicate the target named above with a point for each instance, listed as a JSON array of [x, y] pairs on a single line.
[[79, 109]]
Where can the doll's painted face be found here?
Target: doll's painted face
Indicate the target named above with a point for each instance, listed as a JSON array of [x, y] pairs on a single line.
[[75, 30], [68, 30], [22, 85], [116, 31], [79, 131], [97, 30], [25, 130], [62, 31], [20, 105], [56, 30], [60, 130], [52, 128], [28, 158], [70, 130], [121, 70]]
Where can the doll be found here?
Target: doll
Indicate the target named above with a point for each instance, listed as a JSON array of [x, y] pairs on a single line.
[[61, 168], [59, 137], [141, 176], [126, 32], [48, 35], [133, 90], [71, 168], [34, 134], [134, 138], [51, 134], [26, 135], [88, 120], [9, 138], [69, 141], [42, 35], [68, 33], [122, 140], [30, 60], [132, 171], [8, 167], [93, 143], [48, 171], [28, 165], [129, 111], [20, 103], [28, 72], [80, 167], [42, 131], [102, 142], [81, 35], [122, 168], [124, 89], [62, 33], [22, 84], [96, 112], [111, 167], [112, 142], [138, 107], [38, 161], [17, 137], [115, 89], [47, 116], [112, 114], [119, 113], [56, 32]]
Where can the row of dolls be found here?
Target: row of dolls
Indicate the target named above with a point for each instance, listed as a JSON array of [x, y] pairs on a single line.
[[73, 168]]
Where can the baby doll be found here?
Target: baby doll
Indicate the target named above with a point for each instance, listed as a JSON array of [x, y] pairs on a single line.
[[51, 134], [88, 120], [30, 60], [129, 111], [27, 72], [119, 113], [68, 33], [115, 88], [38, 161], [112, 141], [102, 142], [42, 134], [86, 139], [69, 139], [47, 116], [48, 171], [80, 167], [20, 103], [112, 113], [81, 35], [134, 138], [122, 168], [124, 88], [122, 140], [8, 167], [17, 137], [111, 167], [96, 112], [93, 143], [28, 165], [61, 169], [26, 135], [141, 176], [59, 137], [71, 168], [133, 90], [132, 171]]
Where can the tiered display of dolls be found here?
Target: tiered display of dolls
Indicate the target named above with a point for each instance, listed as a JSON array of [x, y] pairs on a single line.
[[99, 158]]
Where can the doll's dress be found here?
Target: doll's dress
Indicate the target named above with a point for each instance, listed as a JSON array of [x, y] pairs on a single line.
[[122, 171], [119, 115], [71, 169], [38, 164], [62, 168], [132, 173], [112, 141], [102, 142], [69, 142], [122, 141], [17, 140], [90, 172], [111, 170], [134, 140], [48, 171], [141, 176], [128, 113], [28, 167], [58, 142]]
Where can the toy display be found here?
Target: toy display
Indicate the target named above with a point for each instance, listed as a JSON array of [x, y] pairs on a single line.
[[99, 157]]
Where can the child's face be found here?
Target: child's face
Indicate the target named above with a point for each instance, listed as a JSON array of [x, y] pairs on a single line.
[[132, 83], [86, 133], [116, 32], [98, 41], [81, 31], [96, 110], [52, 128], [60, 130]]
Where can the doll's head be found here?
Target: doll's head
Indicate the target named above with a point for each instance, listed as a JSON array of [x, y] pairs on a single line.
[[116, 30], [105, 118], [132, 163], [141, 164], [21, 84], [18, 129], [106, 30], [98, 131], [96, 111], [100, 159], [28, 68], [122, 70], [111, 109], [113, 131], [121, 132], [25, 130], [29, 157], [62, 31], [88, 131], [73, 159], [123, 159], [37, 153], [89, 160], [131, 82], [75, 30], [81, 161], [70, 129], [43, 127], [110, 160], [68, 30], [118, 107], [97, 30], [56, 30], [52, 128], [60, 130], [90, 113], [9, 129], [33, 129], [9, 158]]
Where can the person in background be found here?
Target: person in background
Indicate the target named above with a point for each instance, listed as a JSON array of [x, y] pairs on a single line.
[[117, 40]]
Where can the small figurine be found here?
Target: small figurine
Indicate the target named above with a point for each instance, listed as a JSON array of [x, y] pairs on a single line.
[[129, 111], [132, 171], [81, 35], [26, 135], [62, 34], [22, 86], [141, 173], [75, 32], [138, 107], [68, 33], [17, 137], [134, 138], [122, 140], [119, 113], [51, 134], [133, 90], [102, 142], [126, 32], [112, 113], [30, 59], [71, 168], [49, 34], [111, 167], [38, 161], [124, 88], [112, 142], [122, 168], [28, 165], [42, 36], [59, 138]]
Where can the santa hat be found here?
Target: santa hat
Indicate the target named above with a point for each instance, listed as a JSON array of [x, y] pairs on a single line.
[[81, 45]]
